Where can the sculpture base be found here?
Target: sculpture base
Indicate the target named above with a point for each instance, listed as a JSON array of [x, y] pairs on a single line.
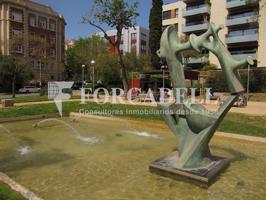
[[202, 176]]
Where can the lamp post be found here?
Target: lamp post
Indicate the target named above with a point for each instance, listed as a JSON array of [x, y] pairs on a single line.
[[40, 75], [93, 70], [163, 67], [83, 68], [248, 79]]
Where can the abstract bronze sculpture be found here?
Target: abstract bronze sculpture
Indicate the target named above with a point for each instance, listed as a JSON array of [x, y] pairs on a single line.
[[192, 123]]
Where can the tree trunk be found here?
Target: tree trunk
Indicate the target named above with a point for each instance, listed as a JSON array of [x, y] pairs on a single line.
[[14, 86], [14, 82], [123, 70]]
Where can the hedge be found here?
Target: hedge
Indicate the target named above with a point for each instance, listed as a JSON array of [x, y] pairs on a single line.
[[216, 80]]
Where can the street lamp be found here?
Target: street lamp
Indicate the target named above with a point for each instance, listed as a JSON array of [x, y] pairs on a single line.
[[163, 67], [249, 58], [92, 64], [83, 68]]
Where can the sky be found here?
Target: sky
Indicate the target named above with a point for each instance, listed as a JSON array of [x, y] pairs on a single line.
[[73, 10]]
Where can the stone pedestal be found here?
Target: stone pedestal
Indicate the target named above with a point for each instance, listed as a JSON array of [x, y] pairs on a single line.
[[202, 176], [7, 103]]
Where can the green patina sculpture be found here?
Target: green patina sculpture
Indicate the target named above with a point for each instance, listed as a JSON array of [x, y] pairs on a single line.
[[193, 124]]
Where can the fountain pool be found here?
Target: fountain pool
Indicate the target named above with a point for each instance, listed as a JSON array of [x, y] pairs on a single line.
[[59, 166]]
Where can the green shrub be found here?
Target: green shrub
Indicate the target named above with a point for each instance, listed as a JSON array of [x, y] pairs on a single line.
[[44, 91], [257, 80]]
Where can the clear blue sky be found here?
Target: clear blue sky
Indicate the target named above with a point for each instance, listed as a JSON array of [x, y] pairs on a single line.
[[73, 10]]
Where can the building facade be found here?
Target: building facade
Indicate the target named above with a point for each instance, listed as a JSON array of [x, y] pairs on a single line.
[[33, 34], [244, 31], [134, 40]]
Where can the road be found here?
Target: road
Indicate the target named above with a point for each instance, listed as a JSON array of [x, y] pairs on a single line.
[[7, 96]]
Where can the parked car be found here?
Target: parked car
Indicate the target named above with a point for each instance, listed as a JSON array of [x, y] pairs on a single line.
[[29, 89]]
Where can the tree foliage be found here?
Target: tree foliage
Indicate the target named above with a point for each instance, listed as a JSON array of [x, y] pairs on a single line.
[[155, 25], [13, 75], [82, 53], [106, 66], [118, 14]]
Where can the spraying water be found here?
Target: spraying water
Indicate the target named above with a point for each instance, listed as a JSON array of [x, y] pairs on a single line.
[[144, 134], [89, 140], [5, 129], [134, 131], [22, 150]]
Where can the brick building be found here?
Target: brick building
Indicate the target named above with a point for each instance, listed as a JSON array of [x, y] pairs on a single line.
[[33, 34]]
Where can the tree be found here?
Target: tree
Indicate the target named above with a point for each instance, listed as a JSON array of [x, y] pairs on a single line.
[[116, 14], [155, 26], [12, 74], [82, 53], [136, 63], [72, 65]]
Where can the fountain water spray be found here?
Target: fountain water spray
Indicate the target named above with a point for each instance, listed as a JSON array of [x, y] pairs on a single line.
[[23, 150], [89, 140]]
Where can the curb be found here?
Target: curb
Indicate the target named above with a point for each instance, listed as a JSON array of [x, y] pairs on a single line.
[[18, 188], [217, 134]]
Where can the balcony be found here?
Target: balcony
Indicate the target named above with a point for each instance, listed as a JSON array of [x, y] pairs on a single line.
[[196, 60], [241, 19], [197, 10], [245, 56], [239, 3], [195, 27], [241, 38]]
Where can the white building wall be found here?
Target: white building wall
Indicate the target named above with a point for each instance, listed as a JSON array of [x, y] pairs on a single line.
[[262, 35], [218, 16], [126, 37]]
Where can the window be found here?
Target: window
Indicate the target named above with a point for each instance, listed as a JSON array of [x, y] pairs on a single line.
[[133, 36], [143, 45], [52, 25], [31, 50], [52, 40], [143, 36], [32, 36], [42, 37], [16, 16], [32, 64], [40, 65], [16, 32], [17, 48], [52, 51], [166, 15], [32, 20], [42, 22], [43, 52], [176, 13], [176, 27]]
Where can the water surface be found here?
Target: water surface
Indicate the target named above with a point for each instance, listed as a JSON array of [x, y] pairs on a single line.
[[60, 166]]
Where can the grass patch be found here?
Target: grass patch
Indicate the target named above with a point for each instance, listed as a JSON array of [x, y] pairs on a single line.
[[33, 98], [6, 193], [233, 122]]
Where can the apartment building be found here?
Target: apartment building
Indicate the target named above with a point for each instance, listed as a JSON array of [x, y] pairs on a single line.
[[134, 40], [33, 34], [244, 21], [69, 44]]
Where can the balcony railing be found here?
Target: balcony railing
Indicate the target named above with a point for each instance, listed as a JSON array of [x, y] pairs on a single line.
[[239, 3], [249, 35], [196, 10], [191, 27], [196, 60], [244, 56], [242, 19]]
